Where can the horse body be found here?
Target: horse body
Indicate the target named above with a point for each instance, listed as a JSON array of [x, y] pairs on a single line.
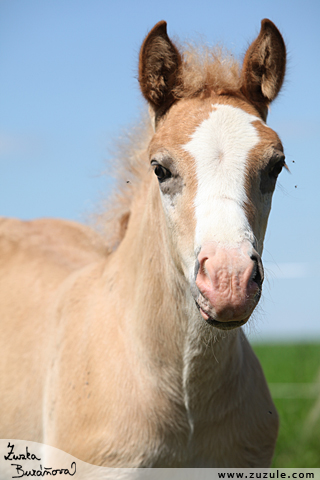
[[36, 258], [136, 356]]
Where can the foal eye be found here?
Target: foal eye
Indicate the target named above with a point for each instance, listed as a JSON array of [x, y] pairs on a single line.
[[161, 172], [276, 169]]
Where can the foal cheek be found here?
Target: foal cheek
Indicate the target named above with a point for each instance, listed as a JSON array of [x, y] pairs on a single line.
[[262, 220], [187, 226], [257, 212], [180, 221]]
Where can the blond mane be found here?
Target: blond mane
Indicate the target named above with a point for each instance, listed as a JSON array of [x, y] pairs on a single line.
[[205, 69]]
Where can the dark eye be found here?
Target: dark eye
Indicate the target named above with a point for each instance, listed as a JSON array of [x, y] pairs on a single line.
[[271, 172], [161, 172], [276, 169]]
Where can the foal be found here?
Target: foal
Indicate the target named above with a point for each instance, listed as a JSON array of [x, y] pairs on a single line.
[[132, 356]]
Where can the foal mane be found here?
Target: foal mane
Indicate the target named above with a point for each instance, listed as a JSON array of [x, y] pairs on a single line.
[[204, 70]]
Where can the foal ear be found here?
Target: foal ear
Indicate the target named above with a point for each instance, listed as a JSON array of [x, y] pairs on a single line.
[[264, 67], [159, 65]]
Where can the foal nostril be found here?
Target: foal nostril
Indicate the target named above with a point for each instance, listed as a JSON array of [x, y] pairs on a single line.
[[258, 274]]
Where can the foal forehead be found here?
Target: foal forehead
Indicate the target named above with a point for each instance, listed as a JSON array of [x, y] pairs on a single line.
[[224, 124]]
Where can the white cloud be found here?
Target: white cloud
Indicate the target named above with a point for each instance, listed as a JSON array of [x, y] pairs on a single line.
[[291, 270], [12, 144]]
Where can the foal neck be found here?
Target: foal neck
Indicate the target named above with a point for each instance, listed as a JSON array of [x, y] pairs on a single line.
[[161, 315]]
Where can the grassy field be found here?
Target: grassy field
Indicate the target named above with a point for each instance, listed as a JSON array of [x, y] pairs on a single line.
[[293, 374]]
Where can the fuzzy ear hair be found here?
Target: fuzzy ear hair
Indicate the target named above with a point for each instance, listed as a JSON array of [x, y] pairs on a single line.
[[264, 67], [159, 65]]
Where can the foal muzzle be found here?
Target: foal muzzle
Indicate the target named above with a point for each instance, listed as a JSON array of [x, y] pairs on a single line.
[[227, 284]]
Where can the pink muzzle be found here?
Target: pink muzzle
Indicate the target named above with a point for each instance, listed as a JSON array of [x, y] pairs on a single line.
[[229, 282]]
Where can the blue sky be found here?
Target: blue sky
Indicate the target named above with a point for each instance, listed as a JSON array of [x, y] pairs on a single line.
[[68, 86]]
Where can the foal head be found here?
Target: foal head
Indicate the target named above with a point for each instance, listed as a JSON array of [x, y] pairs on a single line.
[[216, 164]]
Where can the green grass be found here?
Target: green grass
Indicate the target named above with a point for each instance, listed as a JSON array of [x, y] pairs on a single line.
[[293, 365]]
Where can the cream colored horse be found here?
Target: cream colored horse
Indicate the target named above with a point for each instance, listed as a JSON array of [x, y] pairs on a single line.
[[133, 355]]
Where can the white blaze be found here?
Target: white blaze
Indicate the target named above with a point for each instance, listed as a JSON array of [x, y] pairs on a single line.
[[220, 147]]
